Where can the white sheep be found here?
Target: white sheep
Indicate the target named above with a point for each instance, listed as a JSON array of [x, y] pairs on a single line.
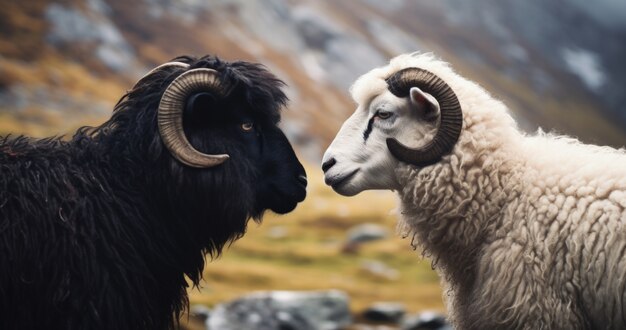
[[527, 232]]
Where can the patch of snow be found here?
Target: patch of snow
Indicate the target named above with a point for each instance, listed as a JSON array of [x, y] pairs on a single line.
[[586, 65]]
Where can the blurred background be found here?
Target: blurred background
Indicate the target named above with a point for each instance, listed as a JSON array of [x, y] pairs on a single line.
[[559, 65]]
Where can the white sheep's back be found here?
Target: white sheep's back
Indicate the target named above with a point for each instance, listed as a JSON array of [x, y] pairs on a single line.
[[572, 221], [573, 168]]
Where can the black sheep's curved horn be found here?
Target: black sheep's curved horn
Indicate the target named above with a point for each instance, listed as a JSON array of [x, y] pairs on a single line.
[[451, 121], [170, 115]]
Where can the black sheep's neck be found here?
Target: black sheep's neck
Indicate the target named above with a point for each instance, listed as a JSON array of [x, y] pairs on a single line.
[[188, 215], [164, 242]]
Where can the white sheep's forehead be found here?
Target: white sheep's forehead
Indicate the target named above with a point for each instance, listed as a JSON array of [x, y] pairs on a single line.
[[373, 83]]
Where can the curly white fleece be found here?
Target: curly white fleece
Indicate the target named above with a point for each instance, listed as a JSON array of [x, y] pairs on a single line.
[[528, 232]]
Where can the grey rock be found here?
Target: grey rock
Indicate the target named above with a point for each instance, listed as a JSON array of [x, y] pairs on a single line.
[[426, 321], [200, 310], [337, 55], [14, 97], [187, 12], [389, 6], [346, 57], [278, 232], [71, 25], [372, 327], [610, 13], [116, 58], [388, 312], [546, 29], [18, 97], [366, 233], [99, 6], [282, 310], [202, 313], [380, 269], [270, 19], [393, 39], [315, 29]]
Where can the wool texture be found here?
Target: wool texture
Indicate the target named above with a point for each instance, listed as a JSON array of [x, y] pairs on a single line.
[[527, 231], [107, 230]]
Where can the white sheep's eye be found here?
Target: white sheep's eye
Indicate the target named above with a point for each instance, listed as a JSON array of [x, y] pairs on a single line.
[[383, 114], [247, 126]]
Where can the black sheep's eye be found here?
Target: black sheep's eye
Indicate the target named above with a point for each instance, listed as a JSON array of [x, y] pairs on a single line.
[[247, 127]]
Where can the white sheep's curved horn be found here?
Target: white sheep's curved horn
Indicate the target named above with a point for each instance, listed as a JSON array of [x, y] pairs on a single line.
[[451, 121], [164, 65], [170, 115]]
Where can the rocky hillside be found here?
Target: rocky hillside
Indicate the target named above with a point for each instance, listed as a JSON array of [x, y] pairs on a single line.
[[558, 64]]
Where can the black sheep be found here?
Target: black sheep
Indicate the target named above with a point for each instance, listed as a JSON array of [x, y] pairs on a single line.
[[99, 232]]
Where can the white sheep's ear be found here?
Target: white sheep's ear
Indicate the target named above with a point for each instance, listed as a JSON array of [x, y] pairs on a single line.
[[425, 104]]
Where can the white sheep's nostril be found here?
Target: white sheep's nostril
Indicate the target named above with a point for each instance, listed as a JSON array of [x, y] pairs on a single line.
[[328, 164]]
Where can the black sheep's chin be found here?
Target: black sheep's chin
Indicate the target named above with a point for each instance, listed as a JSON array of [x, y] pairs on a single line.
[[284, 207], [278, 204], [280, 201]]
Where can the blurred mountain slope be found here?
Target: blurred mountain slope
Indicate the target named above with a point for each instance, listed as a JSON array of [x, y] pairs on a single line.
[[557, 65]]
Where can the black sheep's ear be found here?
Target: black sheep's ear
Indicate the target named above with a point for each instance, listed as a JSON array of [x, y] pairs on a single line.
[[199, 107]]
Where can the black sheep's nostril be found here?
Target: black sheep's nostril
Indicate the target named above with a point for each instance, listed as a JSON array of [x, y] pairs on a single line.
[[328, 164], [302, 179]]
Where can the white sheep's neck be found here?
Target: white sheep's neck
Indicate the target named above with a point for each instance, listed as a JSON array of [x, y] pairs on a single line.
[[452, 208]]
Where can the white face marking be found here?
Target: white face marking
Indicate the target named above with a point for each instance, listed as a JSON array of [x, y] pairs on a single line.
[[358, 158]]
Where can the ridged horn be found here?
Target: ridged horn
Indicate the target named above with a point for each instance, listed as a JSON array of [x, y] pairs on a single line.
[[451, 121], [170, 115]]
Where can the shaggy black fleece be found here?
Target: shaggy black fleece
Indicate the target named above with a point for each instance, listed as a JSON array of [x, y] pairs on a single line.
[[99, 232]]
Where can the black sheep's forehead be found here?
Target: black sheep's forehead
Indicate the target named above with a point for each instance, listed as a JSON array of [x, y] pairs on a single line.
[[261, 89]]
